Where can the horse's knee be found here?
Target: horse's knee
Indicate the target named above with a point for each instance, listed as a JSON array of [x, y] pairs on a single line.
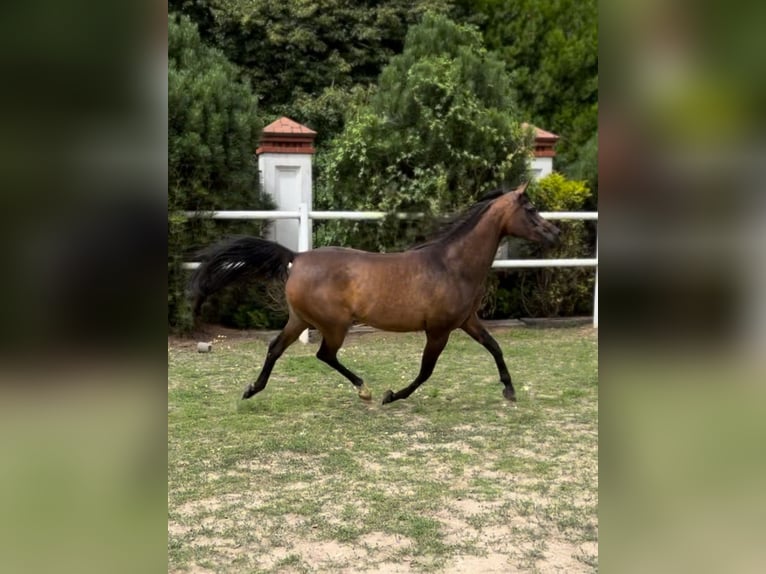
[[275, 344]]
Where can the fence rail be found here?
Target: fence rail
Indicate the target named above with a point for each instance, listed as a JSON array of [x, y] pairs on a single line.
[[358, 215], [304, 215]]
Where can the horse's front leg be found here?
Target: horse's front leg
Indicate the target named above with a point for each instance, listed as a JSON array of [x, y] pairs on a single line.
[[477, 331], [435, 344]]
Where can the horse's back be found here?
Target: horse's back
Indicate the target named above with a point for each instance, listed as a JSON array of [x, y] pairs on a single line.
[[348, 272], [391, 291]]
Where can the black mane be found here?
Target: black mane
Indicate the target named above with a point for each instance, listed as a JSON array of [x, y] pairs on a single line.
[[463, 223]]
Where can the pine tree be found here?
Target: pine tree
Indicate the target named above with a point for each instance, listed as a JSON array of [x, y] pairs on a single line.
[[213, 130]]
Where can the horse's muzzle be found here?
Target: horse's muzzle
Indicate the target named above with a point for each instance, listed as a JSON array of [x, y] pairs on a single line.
[[550, 234]]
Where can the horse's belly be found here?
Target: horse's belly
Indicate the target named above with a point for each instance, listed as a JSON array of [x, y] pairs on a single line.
[[403, 314], [394, 323]]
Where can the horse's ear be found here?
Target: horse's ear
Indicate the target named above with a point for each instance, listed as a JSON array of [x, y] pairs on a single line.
[[522, 188]]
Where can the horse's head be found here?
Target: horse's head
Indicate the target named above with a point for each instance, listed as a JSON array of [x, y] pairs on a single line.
[[521, 219]]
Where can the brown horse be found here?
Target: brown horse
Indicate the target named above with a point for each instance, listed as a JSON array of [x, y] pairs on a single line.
[[435, 287]]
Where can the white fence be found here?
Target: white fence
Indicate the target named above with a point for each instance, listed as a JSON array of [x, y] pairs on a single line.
[[304, 215]]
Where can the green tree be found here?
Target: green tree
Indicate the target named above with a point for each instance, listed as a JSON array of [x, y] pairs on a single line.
[[551, 50], [441, 130], [586, 168], [294, 48], [213, 130]]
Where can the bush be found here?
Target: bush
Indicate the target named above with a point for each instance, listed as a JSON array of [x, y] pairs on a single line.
[[548, 292], [213, 131], [440, 131]]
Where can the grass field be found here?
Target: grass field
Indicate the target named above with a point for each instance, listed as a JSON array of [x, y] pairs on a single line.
[[305, 477]]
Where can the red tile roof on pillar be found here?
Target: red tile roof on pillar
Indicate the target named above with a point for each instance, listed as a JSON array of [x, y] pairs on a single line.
[[544, 141], [286, 136], [285, 125]]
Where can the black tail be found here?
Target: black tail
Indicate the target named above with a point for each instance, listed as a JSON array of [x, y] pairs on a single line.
[[236, 259]]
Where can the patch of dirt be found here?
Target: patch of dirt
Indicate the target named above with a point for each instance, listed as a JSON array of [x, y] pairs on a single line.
[[503, 542], [455, 446], [561, 556], [177, 530], [381, 541], [493, 563], [330, 556], [208, 505], [400, 567], [371, 466]]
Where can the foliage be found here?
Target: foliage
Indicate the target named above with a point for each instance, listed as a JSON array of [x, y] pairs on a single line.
[[551, 49], [294, 48], [586, 169], [561, 291], [296, 51], [213, 130], [554, 192], [437, 128], [258, 305], [213, 125], [440, 130], [325, 112]]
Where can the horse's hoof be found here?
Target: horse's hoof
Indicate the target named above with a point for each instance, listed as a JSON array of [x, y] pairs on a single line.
[[388, 397], [509, 394], [249, 392], [364, 393]]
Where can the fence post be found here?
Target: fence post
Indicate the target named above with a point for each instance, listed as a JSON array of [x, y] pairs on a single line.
[[304, 244], [595, 291], [304, 230]]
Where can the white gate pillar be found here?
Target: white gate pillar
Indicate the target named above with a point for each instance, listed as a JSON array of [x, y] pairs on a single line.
[[284, 160]]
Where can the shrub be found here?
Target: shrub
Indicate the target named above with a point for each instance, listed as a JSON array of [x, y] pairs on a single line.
[[548, 292], [213, 130], [440, 131]]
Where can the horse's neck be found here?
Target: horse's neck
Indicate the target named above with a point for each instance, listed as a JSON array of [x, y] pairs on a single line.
[[475, 251]]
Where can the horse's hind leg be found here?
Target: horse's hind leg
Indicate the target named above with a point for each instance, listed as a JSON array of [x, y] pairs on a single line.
[[476, 330], [435, 344], [332, 339], [295, 326]]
